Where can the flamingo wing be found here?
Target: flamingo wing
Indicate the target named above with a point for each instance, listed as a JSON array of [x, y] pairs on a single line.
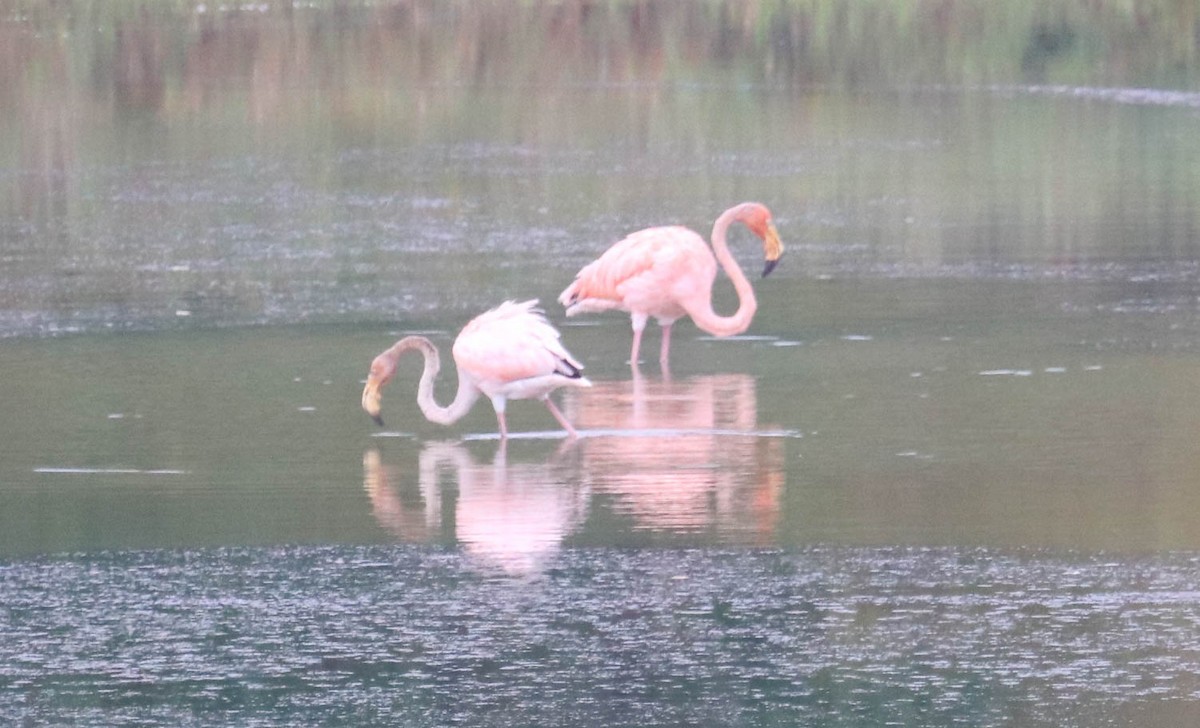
[[510, 343], [642, 272]]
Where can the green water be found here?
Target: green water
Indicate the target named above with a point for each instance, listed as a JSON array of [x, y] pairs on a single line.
[[872, 425], [948, 476]]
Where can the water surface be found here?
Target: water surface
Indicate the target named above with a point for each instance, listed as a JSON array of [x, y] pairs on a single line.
[[948, 476], [825, 636]]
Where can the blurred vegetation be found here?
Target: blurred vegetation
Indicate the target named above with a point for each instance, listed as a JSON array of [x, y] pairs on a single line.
[[499, 102], [424, 69], [279, 58]]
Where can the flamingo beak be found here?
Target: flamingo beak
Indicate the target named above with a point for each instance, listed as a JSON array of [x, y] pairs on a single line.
[[372, 397], [772, 249]]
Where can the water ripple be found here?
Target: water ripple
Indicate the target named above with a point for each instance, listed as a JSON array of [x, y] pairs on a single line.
[[411, 635]]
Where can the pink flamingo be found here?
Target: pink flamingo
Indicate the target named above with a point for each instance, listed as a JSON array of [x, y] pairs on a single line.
[[510, 352], [668, 273]]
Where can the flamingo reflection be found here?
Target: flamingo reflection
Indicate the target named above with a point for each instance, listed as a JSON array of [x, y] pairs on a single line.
[[511, 517], [671, 457], [687, 455]]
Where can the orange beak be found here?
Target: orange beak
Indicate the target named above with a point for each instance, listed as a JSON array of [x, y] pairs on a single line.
[[772, 249], [372, 398]]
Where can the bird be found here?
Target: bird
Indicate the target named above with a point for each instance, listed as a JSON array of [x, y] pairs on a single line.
[[509, 352], [668, 272]]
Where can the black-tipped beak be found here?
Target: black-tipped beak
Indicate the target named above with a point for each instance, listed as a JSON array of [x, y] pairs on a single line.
[[370, 398], [772, 249], [770, 266]]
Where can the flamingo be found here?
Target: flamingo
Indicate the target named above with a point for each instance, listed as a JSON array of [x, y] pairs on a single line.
[[510, 352], [668, 273]]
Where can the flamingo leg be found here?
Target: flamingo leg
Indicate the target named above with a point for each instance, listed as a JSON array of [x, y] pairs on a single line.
[[503, 425], [639, 325], [558, 415]]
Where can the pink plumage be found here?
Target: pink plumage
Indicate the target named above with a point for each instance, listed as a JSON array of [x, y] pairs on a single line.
[[668, 272], [510, 352], [504, 349]]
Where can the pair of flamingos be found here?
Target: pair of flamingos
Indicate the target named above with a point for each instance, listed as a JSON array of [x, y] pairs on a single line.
[[512, 351]]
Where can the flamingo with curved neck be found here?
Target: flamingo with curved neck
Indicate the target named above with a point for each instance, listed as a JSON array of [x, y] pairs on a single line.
[[668, 272], [510, 352]]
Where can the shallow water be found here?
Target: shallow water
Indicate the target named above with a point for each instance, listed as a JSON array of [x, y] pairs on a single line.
[[947, 477], [877, 426]]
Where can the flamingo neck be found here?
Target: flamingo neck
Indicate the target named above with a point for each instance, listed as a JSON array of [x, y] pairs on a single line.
[[463, 399], [705, 317]]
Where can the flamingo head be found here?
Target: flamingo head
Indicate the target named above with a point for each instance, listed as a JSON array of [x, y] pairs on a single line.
[[758, 218], [382, 369]]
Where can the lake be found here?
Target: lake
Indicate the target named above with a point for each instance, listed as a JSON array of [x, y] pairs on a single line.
[[947, 477]]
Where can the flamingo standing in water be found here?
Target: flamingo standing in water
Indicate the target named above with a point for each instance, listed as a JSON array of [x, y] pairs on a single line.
[[510, 352], [668, 273]]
